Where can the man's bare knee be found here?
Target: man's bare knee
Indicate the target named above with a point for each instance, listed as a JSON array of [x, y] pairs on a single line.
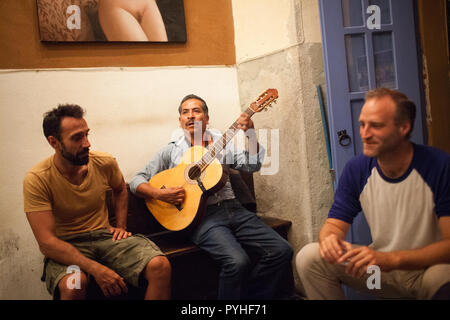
[[73, 286], [158, 266]]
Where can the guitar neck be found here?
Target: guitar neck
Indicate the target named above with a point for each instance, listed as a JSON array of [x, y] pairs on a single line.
[[220, 144]]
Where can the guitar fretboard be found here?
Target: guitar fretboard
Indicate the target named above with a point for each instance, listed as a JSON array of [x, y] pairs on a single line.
[[220, 144]]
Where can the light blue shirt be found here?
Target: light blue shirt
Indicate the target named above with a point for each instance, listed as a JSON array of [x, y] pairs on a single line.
[[170, 156]]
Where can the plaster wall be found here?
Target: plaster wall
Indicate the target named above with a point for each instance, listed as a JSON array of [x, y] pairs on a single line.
[[289, 59]]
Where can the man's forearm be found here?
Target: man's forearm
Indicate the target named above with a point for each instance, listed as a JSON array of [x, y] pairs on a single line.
[[145, 191], [331, 227], [253, 144], [66, 254], [121, 206], [436, 253]]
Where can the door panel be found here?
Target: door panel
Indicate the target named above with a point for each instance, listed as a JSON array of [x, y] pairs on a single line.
[[384, 63]]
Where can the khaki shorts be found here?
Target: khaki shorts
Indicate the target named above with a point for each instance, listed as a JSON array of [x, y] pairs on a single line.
[[128, 257]]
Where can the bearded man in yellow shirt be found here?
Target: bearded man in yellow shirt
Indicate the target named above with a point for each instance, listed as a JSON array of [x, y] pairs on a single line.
[[64, 200]]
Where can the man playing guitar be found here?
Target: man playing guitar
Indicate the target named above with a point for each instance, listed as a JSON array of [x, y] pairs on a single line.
[[227, 227]]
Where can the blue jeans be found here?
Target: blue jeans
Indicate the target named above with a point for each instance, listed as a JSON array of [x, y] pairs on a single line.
[[224, 233]]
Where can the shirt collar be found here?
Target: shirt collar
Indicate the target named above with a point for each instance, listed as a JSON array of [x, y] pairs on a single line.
[[183, 140]]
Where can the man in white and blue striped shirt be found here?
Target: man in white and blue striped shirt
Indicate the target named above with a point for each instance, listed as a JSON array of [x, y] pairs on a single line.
[[404, 191]]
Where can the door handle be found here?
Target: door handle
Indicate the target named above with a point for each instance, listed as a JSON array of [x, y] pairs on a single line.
[[343, 138]]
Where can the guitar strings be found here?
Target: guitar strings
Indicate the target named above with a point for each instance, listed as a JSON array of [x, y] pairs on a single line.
[[220, 144]]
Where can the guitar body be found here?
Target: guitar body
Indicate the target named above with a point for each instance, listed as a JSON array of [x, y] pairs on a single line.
[[186, 174], [200, 173]]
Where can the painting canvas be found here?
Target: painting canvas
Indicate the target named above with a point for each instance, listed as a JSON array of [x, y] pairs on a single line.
[[111, 20]]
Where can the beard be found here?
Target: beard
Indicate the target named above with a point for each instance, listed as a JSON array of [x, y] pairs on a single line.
[[382, 147], [79, 159]]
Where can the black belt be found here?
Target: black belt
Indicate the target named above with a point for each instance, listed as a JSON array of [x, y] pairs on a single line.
[[218, 204]]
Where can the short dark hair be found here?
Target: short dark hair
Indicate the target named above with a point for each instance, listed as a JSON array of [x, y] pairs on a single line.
[[52, 118], [193, 96], [405, 108]]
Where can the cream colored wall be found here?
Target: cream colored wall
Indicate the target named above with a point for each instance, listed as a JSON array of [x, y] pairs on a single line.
[[266, 26], [261, 26], [131, 112], [278, 44]]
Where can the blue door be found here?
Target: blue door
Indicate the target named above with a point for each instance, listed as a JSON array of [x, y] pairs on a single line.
[[366, 44]]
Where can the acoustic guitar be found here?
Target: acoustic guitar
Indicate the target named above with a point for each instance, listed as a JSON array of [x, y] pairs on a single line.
[[200, 173]]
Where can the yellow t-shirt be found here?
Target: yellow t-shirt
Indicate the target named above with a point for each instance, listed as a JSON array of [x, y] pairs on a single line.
[[75, 208]]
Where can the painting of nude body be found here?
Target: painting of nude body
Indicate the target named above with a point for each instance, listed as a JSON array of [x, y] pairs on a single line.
[[111, 20]]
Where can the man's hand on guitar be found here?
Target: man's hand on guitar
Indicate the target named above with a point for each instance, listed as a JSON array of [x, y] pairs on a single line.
[[245, 122], [173, 196]]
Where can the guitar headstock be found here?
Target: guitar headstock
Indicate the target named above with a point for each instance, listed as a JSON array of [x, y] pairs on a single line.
[[264, 100]]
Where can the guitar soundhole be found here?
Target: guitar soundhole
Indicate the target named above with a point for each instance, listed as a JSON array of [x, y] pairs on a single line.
[[194, 173]]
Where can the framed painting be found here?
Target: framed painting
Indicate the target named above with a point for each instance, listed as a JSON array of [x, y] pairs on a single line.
[[111, 20]]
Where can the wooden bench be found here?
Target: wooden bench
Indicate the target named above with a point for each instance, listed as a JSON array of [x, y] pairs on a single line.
[[194, 274]]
